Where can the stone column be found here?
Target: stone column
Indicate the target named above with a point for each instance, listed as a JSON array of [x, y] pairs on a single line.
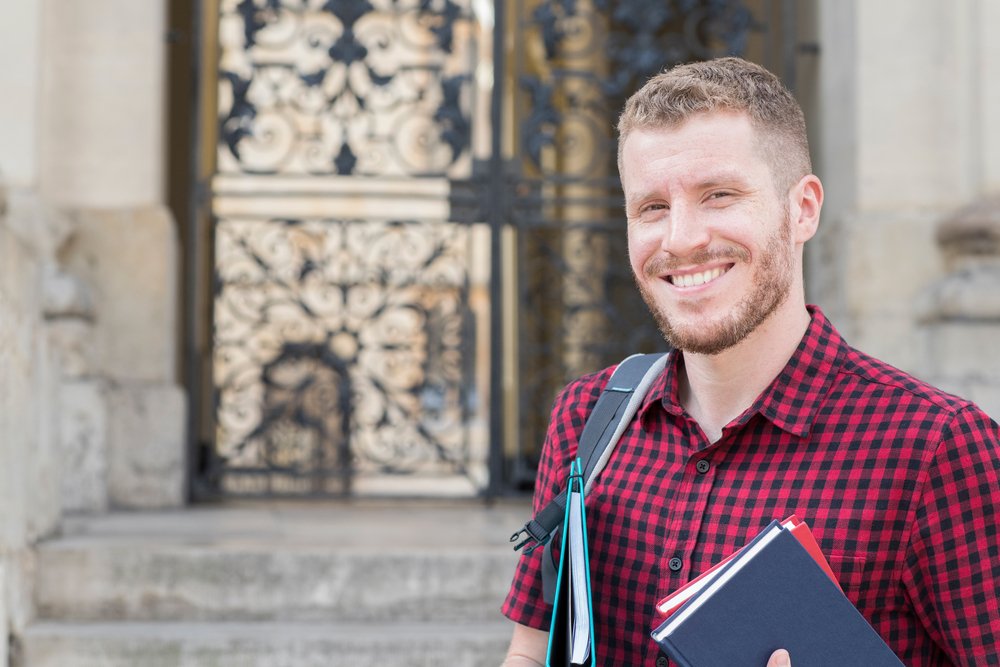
[[102, 164], [961, 313], [29, 499], [905, 135], [13, 506]]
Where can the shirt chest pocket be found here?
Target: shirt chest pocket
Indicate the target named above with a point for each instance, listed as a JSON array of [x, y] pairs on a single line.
[[851, 571]]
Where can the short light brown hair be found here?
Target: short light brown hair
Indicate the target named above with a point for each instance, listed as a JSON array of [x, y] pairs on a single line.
[[726, 84]]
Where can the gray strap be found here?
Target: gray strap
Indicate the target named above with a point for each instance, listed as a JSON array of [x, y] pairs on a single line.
[[640, 387], [615, 408]]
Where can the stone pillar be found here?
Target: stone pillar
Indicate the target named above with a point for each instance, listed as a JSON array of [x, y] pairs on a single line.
[[102, 164], [19, 50], [905, 135], [13, 510], [29, 499], [961, 313]]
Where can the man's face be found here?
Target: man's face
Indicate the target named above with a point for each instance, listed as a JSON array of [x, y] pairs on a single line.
[[709, 237]]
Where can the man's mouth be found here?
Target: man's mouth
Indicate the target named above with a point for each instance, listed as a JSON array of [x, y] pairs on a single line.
[[698, 278]]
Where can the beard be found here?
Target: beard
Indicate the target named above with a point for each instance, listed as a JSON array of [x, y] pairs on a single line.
[[770, 286]]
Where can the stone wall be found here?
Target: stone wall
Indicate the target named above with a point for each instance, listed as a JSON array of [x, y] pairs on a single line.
[[29, 475], [91, 414], [960, 314], [101, 163], [905, 139], [125, 413]]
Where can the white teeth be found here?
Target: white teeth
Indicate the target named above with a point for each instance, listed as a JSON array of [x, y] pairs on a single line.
[[692, 279]]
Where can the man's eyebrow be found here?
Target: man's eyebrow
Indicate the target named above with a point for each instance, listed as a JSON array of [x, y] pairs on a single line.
[[635, 198], [727, 177]]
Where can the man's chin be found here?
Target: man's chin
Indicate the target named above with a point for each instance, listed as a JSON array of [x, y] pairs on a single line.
[[705, 346], [711, 336], [708, 339]]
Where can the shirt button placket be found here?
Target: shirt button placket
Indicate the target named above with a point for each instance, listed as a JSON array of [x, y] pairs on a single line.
[[661, 661]]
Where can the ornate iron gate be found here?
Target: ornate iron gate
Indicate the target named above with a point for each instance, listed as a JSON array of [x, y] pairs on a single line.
[[417, 231]]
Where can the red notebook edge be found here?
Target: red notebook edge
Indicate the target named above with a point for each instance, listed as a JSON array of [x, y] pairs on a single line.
[[799, 529]]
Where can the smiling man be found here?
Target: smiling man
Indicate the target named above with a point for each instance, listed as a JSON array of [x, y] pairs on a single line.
[[764, 411]]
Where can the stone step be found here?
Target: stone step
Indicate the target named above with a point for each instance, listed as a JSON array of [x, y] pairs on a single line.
[[441, 563], [217, 644], [169, 583]]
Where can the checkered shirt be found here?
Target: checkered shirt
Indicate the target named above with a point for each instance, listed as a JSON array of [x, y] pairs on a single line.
[[899, 482]]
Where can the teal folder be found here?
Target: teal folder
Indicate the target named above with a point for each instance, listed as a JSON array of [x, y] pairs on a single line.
[[571, 633]]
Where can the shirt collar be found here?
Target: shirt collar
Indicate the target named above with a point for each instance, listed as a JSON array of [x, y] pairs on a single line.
[[793, 397], [665, 390]]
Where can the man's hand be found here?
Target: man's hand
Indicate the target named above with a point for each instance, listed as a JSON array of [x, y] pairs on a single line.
[[779, 659]]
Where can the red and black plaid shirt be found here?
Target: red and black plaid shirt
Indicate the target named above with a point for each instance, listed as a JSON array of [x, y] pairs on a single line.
[[899, 482]]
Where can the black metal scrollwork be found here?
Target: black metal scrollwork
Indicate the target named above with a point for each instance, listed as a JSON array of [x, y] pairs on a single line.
[[316, 320], [348, 87], [628, 40], [579, 308], [341, 341]]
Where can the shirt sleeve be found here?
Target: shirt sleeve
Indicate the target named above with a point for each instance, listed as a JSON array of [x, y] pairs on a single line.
[[525, 603], [952, 573]]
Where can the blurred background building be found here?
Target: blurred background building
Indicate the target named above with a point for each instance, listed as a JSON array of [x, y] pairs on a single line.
[[350, 249]]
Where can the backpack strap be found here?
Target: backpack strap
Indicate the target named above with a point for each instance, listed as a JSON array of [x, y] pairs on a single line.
[[612, 414]]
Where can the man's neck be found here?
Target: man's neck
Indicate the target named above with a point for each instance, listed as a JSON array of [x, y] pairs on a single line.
[[715, 389]]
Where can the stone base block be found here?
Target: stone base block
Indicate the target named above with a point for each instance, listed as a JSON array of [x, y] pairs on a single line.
[[128, 258], [146, 446], [965, 350], [73, 344], [83, 435]]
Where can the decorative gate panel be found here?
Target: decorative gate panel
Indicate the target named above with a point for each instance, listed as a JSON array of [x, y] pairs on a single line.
[[344, 351]]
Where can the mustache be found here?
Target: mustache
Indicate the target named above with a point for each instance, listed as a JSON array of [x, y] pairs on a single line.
[[660, 264]]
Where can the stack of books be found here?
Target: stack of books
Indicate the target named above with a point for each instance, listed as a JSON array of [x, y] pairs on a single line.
[[778, 591]]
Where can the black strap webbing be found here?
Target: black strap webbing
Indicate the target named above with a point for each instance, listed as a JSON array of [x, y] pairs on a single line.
[[615, 407]]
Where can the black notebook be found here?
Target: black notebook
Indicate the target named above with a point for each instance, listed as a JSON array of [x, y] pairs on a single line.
[[773, 595]]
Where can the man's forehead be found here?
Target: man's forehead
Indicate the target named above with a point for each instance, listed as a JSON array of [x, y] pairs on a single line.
[[733, 117], [721, 145], [717, 144]]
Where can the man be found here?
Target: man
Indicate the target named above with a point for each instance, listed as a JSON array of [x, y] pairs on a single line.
[[764, 410]]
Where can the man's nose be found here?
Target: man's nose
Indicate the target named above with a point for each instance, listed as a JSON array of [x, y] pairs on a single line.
[[685, 232]]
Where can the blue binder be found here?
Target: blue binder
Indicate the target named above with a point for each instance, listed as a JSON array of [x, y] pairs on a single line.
[[571, 632]]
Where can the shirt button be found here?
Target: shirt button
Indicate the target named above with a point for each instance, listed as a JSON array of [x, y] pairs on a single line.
[[661, 661], [702, 466], [676, 564]]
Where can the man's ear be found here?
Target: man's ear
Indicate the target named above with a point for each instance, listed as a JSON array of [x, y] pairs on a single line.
[[806, 201]]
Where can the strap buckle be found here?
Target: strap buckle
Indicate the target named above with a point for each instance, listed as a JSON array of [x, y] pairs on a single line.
[[529, 536]]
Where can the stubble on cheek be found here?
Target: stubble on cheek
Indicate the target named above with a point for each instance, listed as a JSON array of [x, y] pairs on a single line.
[[769, 288]]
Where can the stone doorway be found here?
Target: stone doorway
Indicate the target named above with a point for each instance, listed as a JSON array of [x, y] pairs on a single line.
[[408, 230]]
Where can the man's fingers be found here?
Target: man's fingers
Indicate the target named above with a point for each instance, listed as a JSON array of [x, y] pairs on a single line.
[[780, 659]]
